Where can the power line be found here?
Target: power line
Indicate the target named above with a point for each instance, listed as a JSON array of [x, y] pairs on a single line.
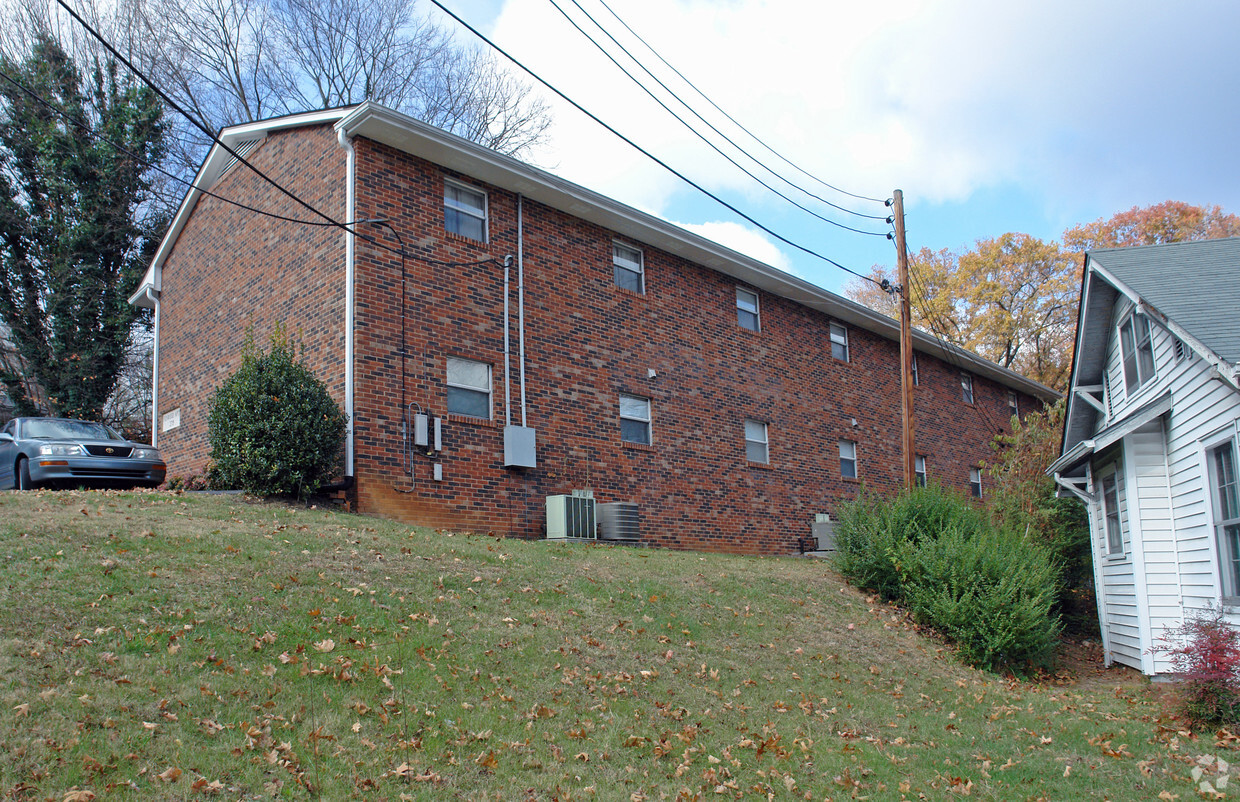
[[682, 102], [327, 220], [642, 150], [733, 120], [699, 135]]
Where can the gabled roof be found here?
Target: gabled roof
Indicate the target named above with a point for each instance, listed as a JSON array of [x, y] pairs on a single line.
[[397, 130], [1193, 288], [1196, 284]]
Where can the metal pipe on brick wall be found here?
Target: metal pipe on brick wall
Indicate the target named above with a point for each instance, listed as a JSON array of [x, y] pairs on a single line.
[[350, 202], [521, 302], [507, 367]]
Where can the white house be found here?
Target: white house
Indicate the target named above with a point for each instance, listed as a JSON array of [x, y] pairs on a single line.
[[1150, 439]]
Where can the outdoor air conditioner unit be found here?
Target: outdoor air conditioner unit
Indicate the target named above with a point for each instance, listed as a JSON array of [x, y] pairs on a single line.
[[823, 530], [570, 517], [619, 520]]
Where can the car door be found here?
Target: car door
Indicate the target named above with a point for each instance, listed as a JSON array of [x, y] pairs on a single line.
[[8, 455]]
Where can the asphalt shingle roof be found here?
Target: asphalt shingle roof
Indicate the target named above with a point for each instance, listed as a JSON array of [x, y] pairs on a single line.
[[1196, 284]]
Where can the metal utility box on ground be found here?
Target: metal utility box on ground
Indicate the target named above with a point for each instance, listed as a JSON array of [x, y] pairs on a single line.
[[570, 517], [619, 520]]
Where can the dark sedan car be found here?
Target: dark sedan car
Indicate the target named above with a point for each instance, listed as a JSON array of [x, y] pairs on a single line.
[[37, 452]]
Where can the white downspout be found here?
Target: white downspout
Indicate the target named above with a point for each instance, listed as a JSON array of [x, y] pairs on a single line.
[[507, 348], [521, 303], [350, 203], [150, 293]]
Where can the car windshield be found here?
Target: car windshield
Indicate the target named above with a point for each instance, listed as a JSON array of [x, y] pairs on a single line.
[[67, 430]]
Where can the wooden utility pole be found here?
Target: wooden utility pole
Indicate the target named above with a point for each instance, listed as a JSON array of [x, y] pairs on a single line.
[[906, 346]]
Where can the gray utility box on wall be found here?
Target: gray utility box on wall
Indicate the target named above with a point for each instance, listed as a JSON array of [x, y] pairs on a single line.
[[519, 447], [619, 520]]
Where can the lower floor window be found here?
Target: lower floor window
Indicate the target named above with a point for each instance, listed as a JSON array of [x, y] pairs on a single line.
[[848, 459], [1226, 501], [756, 446], [469, 388], [919, 471], [635, 419], [975, 482]]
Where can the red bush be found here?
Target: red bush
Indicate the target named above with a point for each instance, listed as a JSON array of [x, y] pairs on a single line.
[[1205, 652]]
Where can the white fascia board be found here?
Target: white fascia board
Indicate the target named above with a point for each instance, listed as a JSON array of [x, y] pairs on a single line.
[[404, 133], [212, 168]]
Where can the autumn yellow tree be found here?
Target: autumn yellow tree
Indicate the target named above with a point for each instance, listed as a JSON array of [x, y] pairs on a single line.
[[1012, 299], [1169, 221]]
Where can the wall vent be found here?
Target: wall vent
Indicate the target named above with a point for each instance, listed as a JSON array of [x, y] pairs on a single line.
[[570, 517], [619, 520]]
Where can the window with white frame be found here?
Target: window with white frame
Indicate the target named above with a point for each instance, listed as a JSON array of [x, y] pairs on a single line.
[[1013, 404], [465, 211], [756, 445], [916, 379], [839, 342], [966, 388], [628, 267], [1112, 486], [1226, 500], [1137, 348], [635, 419], [747, 309], [848, 459], [975, 482], [919, 471], [469, 388]]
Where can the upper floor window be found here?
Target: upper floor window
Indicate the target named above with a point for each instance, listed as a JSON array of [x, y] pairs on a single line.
[[747, 309], [966, 388], [916, 379], [1137, 347], [635, 419], [975, 482], [848, 459], [839, 342], [1013, 404], [469, 388], [919, 471], [1226, 493], [628, 268], [756, 445], [465, 211]]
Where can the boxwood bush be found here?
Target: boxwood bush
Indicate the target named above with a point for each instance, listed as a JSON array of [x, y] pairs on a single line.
[[991, 591], [273, 428]]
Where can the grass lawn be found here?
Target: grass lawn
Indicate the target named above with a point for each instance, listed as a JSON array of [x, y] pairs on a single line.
[[177, 646]]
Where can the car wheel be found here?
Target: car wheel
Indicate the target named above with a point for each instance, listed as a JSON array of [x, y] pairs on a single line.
[[23, 475]]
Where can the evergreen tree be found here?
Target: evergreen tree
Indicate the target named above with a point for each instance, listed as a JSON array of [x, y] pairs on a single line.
[[77, 226]]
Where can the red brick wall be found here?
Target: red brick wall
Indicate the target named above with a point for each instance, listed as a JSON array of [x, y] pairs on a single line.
[[232, 268], [588, 341]]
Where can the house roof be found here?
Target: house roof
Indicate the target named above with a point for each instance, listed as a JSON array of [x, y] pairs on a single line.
[[397, 130], [1196, 284], [1190, 287]]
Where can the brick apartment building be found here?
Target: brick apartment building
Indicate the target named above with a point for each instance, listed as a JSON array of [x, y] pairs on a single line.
[[731, 402]]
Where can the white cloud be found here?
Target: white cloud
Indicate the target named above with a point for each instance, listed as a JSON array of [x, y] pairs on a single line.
[[939, 97], [742, 240]]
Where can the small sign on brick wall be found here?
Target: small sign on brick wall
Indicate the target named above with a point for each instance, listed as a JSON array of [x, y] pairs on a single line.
[[170, 420]]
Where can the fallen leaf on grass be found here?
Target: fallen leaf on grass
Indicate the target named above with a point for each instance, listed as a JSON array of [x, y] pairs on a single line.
[[74, 795], [325, 645], [170, 775]]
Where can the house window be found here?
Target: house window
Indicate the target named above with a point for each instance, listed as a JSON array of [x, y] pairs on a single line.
[[848, 459], [756, 446], [1226, 494], [919, 471], [747, 309], [1138, 351], [916, 379], [1013, 405], [975, 482], [464, 211], [627, 266], [635, 419], [1112, 490], [839, 342], [469, 388], [966, 388]]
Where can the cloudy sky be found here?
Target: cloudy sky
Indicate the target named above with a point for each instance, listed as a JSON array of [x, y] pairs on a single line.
[[1026, 115]]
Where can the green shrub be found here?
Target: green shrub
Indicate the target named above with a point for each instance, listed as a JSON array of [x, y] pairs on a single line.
[[991, 592], [273, 428], [869, 533]]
